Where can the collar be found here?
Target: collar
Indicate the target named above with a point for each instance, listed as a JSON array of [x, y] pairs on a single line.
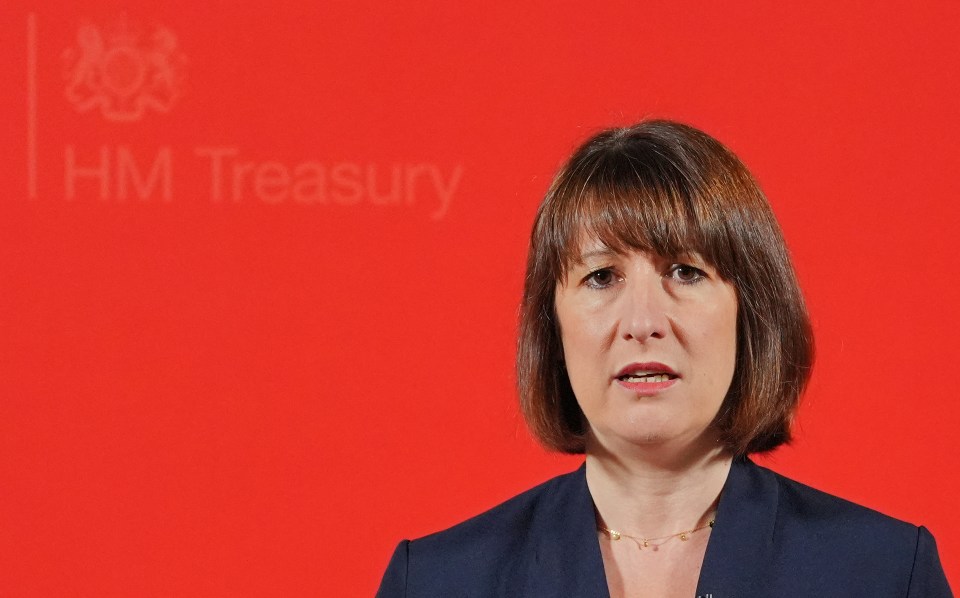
[[566, 560]]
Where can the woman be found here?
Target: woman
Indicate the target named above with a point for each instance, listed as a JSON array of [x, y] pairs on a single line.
[[664, 336]]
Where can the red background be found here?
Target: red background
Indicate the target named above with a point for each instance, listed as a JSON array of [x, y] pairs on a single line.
[[262, 396]]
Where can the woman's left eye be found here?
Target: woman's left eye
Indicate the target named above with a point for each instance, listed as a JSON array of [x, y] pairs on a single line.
[[685, 274]]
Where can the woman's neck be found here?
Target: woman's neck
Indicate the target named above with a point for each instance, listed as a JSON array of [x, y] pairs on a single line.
[[656, 491]]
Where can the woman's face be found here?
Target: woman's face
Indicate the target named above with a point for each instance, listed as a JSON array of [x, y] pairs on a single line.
[[649, 344]]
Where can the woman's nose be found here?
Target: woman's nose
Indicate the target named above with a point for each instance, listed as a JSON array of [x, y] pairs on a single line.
[[644, 311]]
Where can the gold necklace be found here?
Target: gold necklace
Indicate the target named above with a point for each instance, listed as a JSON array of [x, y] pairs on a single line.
[[652, 542]]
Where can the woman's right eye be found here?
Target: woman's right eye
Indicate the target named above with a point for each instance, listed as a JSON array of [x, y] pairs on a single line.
[[600, 279]]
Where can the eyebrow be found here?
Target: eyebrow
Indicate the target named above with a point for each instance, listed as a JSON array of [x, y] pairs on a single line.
[[602, 252], [606, 252]]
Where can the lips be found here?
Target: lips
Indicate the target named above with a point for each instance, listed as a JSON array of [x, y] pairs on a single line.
[[646, 379]]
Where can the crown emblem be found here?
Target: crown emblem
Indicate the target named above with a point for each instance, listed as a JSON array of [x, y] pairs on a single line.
[[122, 73]]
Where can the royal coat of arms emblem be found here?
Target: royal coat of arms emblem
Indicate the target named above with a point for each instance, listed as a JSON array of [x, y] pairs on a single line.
[[124, 74]]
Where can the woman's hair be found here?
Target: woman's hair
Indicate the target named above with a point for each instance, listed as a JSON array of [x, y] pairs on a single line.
[[669, 189]]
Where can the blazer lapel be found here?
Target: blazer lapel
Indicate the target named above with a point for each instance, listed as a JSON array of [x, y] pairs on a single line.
[[741, 542], [565, 558]]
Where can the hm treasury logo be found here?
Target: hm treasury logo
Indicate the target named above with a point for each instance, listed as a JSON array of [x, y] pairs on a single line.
[[121, 78]]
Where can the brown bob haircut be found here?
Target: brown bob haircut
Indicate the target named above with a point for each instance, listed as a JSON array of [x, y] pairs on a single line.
[[670, 189]]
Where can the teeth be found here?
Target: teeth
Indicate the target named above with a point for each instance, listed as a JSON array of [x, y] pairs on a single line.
[[647, 377]]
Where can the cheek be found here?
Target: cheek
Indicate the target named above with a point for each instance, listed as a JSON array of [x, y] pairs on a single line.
[[712, 341], [582, 349], [576, 347], [584, 341], [721, 342], [580, 327]]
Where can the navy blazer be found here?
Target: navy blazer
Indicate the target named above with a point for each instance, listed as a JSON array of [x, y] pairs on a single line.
[[773, 538]]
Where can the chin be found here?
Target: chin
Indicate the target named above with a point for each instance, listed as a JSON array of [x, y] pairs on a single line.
[[649, 437], [656, 438], [660, 437]]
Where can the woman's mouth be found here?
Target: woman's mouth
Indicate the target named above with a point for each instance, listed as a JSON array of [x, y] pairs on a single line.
[[646, 378]]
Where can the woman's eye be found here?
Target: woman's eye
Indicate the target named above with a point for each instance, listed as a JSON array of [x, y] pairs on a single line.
[[600, 279], [687, 274]]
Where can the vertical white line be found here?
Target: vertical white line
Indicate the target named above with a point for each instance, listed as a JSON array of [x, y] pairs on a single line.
[[32, 105]]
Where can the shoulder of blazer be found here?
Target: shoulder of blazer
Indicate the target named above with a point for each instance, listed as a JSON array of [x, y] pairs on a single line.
[[501, 528], [517, 546], [817, 538], [819, 515]]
